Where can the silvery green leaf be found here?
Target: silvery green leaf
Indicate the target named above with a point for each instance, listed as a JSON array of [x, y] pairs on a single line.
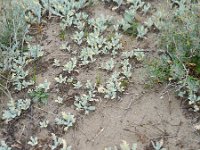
[[125, 146], [23, 104], [134, 146], [33, 141], [149, 23], [90, 86], [91, 108], [99, 24], [83, 103], [25, 84], [127, 54], [139, 54], [63, 46], [92, 38], [66, 119], [119, 2], [60, 79], [177, 71], [126, 68], [36, 11], [84, 15], [113, 85], [79, 24], [9, 115], [109, 65], [158, 145], [30, 18], [56, 141], [142, 31], [67, 22], [35, 51], [111, 90], [15, 108], [44, 124], [77, 85], [44, 86], [70, 80], [63, 7], [78, 36], [116, 26], [129, 16], [21, 61], [59, 100], [87, 55], [69, 67], [4, 146], [56, 63], [146, 8], [136, 4]]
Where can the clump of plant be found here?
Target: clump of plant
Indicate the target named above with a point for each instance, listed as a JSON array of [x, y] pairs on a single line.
[[135, 53], [141, 32], [113, 86], [158, 145], [44, 123], [179, 63], [109, 65], [66, 120], [83, 103], [126, 68], [70, 66], [63, 8], [13, 26], [13, 58], [33, 141], [129, 23], [40, 93], [60, 79], [58, 142], [15, 109]]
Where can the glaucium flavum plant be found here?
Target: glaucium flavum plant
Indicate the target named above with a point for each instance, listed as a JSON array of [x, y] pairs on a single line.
[[66, 119]]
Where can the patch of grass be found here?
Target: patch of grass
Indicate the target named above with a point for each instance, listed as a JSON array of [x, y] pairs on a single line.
[[180, 63], [62, 35], [39, 96], [98, 80], [13, 26], [132, 31]]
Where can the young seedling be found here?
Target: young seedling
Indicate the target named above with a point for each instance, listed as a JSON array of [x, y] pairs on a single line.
[[40, 93], [142, 31], [59, 100], [33, 141], [126, 68], [77, 85], [15, 109], [44, 124], [158, 145], [57, 142], [70, 66], [83, 103], [109, 65], [56, 63], [66, 119], [60, 79]]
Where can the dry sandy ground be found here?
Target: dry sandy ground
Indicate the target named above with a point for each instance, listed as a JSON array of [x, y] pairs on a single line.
[[142, 114]]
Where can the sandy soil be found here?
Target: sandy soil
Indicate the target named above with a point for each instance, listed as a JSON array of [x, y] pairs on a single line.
[[141, 115]]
